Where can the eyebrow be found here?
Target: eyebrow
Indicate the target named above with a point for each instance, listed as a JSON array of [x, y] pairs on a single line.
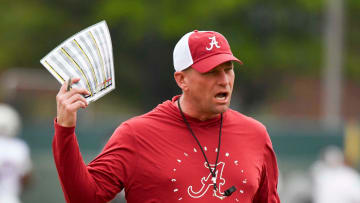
[[229, 62]]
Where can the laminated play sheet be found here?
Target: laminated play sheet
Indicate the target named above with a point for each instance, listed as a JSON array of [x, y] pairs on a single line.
[[86, 55]]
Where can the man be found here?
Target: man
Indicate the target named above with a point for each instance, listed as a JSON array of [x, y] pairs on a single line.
[[190, 149], [15, 162], [333, 180]]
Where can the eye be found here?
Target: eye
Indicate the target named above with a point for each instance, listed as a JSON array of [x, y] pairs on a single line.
[[211, 72], [228, 69]]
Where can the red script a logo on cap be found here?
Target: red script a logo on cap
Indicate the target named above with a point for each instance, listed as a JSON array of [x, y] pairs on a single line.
[[212, 43]]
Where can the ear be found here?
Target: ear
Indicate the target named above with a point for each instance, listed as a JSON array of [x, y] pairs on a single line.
[[180, 80]]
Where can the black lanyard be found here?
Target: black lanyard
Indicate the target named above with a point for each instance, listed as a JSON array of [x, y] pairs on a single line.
[[230, 190], [213, 172]]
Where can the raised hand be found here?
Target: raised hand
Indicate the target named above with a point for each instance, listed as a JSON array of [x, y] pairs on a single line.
[[68, 102]]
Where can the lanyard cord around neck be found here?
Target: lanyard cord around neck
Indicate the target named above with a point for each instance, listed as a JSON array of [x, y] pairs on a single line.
[[213, 172]]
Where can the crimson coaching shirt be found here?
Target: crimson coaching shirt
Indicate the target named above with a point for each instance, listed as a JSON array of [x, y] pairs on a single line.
[[155, 158]]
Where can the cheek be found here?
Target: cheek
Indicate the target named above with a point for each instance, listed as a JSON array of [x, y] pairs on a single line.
[[232, 78], [231, 82], [202, 92]]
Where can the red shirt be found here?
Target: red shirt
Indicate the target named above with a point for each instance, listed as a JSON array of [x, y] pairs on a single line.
[[155, 158]]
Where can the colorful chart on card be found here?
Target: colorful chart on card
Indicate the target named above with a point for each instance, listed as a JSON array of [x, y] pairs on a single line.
[[86, 55]]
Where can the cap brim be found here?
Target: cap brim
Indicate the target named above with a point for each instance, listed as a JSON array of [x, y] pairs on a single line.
[[211, 62]]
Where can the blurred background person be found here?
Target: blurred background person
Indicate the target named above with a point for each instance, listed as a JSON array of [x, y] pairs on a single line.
[[15, 163], [334, 181], [297, 187]]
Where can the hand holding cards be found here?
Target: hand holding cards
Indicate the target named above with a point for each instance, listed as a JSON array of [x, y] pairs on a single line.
[[87, 55]]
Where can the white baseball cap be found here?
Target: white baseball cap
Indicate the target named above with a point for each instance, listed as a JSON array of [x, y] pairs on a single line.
[[202, 50]]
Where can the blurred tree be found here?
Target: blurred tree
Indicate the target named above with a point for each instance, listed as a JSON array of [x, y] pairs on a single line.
[[272, 38], [275, 39]]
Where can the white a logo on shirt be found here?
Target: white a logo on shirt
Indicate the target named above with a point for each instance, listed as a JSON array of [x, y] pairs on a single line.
[[208, 184], [212, 43]]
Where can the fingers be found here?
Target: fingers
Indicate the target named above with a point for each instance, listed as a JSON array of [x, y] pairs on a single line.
[[64, 94], [75, 91], [66, 113], [75, 98], [76, 105], [75, 80], [68, 102], [71, 101], [63, 88], [68, 98]]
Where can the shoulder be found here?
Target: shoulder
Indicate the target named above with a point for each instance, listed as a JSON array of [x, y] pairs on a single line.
[[248, 127], [138, 129], [161, 114], [237, 118], [141, 122]]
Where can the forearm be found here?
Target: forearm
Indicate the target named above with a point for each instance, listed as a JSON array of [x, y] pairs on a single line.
[[76, 182]]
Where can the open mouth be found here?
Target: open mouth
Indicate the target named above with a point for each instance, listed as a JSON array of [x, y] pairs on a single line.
[[221, 96]]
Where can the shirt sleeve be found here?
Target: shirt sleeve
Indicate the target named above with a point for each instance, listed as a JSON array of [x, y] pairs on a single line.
[[267, 192], [101, 179]]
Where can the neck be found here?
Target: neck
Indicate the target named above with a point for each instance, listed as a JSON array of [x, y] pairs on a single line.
[[193, 111]]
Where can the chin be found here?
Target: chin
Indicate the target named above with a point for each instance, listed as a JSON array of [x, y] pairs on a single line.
[[222, 109]]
